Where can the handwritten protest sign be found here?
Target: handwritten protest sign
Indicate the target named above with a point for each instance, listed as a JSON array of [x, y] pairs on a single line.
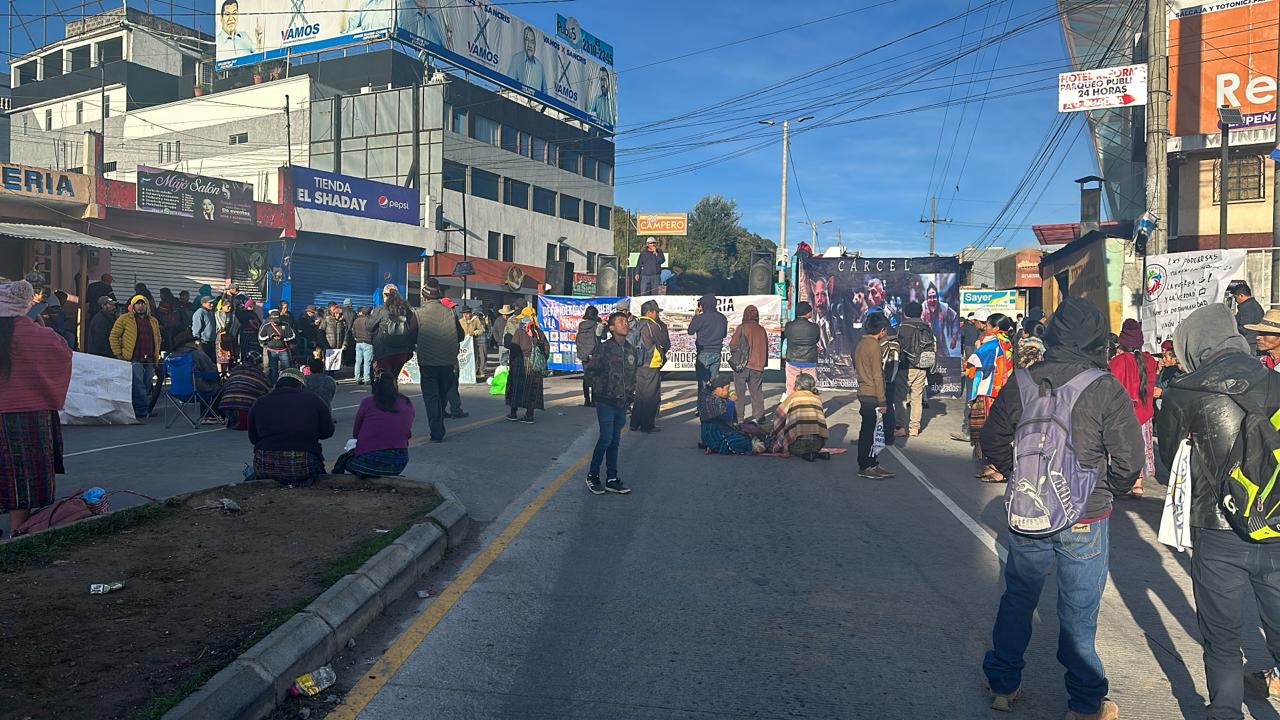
[[1179, 283]]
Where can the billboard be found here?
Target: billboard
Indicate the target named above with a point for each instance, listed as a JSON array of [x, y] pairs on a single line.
[[1102, 88], [662, 223], [985, 302], [252, 31], [169, 192], [1221, 53], [844, 290], [487, 40], [347, 195]]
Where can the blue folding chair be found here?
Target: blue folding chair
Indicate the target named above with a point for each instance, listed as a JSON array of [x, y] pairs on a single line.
[[182, 388]]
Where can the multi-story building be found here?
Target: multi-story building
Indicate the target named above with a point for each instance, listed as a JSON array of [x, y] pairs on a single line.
[[6, 104]]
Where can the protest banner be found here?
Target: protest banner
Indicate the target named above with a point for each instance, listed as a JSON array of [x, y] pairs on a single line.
[[1179, 283], [678, 310], [985, 302], [558, 317], [843, 290]]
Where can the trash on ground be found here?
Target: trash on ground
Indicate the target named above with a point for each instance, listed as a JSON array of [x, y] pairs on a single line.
[[223, 504], [381, 530], [314, 682], [351, 644], [104, 588], [429, 592]]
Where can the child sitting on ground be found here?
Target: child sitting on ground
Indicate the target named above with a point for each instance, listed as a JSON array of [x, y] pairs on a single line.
[[718, 414]]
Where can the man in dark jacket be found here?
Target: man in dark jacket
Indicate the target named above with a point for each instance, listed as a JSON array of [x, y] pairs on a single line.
[[97, 290], [913, 337], [1248, 311], [650, 266], [275, 336], [1219, 365], [99, 340], [709, 328], [439, 334], [612, 371], [801, 335], [1105, 434], [286, 427], [587, 339]]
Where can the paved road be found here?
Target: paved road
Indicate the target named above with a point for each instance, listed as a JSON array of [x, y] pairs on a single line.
[[721, 588], [758, 587]]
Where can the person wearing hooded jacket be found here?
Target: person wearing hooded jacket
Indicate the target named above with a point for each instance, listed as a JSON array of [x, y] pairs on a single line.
[[747, 382], [586, 341], [709, 328], [1105, 434], [1219, 364], [135, 338]]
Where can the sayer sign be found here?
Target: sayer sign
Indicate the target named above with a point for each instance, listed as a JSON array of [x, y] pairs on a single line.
[[1105, 88]]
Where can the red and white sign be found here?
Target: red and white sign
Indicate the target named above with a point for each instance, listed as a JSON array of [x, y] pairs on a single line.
[[1115, 87]]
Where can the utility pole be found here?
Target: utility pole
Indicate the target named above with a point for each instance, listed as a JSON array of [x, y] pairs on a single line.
[[813, 226], [933, 222], [1275, 208], [782, 221], [1158, 126], [288, 133]]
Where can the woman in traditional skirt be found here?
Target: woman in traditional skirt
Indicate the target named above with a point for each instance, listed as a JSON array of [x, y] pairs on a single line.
[[383, 426], [989, 368], [244, 386], [226, 348], [524, 384], [35, 370]]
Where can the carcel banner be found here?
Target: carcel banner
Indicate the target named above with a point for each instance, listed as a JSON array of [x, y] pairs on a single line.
[[1179, 283], [347, 195], [558, 317], [169, 192], [252, 31], [487, 40], [844, 290]]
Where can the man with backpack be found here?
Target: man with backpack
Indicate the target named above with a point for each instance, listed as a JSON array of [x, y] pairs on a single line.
[[1208, 405], [1077, 446], [652, 344], [919, 353]]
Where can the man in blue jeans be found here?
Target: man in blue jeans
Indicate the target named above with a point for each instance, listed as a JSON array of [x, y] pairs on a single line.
[[1106, 437], [611, 369], [709, 328]]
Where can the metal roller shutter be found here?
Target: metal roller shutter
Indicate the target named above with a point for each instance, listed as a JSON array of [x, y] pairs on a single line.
[[320, 280], [177, 267]]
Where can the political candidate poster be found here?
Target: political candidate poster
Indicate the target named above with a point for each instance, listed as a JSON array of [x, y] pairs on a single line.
[[485, 39], [253, 31], [677, 311], [558, 316], [845, 290], [1179, 283]]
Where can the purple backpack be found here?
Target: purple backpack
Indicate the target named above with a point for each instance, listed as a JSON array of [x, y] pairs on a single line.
[[1049, 489]]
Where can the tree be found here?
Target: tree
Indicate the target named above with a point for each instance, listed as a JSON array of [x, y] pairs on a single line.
[[624, 232]]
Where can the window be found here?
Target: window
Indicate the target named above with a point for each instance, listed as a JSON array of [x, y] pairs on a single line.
[[79, 111], [589, 167], [552, 153], [552, 254], [568, 160], [538, 149], [48, 119], [484, 184], [458, 122], [80, 57], [544, 201], [381, 163], [591, 262], [27, 72], [110, 51], [109, 166], [238, 139], [455, 176], [52, 64], [321, 120], [510, 139], [322, 161], [1245, 177], [495, 245], [588, 213], [177, 150], [508, 248], [570, 207], [605, 173], [524, 145], [515, 193], [387, 111], [106, 106], [159, 152], [484, 129], [606, 216]]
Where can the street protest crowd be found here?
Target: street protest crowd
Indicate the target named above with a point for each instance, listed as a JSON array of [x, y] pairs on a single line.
[[1067, 416]]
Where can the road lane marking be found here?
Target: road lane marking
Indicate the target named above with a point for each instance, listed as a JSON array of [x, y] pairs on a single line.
[[984, 536], [386, 666], [142, 442]]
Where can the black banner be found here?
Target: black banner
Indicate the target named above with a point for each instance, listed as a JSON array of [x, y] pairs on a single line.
[[249, 270], [170, 192], [844, 290]]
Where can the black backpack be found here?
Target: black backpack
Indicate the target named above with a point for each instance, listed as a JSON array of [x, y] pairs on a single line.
[[919, 347]]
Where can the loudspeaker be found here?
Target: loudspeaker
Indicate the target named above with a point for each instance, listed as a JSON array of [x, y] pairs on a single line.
[[606, 275], [760, 274], [559, 277]]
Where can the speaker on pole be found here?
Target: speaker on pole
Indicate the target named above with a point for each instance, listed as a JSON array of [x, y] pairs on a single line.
[[606, 275], [559, 277], [760, 273]]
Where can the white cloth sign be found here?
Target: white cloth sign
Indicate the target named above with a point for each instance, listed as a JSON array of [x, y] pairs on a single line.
[[332, 360], [101, 392], [877, 443], [1177, 284], [467, 361], [1175, 522], [677, 311]]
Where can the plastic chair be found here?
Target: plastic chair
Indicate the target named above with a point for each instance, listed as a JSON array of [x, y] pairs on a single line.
[[182, 389]]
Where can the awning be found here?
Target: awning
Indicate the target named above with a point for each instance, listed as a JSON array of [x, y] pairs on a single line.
[[51, 233]]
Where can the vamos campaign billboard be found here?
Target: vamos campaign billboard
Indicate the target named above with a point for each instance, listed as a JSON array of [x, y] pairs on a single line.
[[252, 31]]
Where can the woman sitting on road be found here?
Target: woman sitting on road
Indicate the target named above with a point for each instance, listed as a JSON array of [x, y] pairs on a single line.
[[286, 427], [242, 389], [800, 423], [383, 426], [717, 412]]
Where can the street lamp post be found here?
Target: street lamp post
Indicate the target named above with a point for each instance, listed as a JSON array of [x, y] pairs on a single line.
[[1227, 116], [813, 226], [782, 223]]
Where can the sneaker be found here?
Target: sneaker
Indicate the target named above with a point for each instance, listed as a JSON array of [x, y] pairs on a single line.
[[513, 418], [460, 414], [960, 437], [526, 420], [614, 485], [1004, 701], [1266, 684], [594, 485], [871, 473], [1107, 711]]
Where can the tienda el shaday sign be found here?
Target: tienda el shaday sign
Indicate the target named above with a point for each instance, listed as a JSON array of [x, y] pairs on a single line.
[[1103, 88], [662, 223]]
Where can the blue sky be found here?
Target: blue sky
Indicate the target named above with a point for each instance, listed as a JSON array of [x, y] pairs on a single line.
[[871, 178]]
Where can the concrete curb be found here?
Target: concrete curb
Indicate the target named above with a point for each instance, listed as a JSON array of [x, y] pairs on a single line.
[[252, 685]]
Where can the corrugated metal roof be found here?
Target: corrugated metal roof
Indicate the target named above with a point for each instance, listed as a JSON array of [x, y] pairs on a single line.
[[50, 233]]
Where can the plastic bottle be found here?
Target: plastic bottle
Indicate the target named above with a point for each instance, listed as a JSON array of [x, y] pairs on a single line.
[[314, 682]]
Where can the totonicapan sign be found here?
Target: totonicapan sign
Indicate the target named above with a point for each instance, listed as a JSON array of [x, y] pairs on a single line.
[[662, 223]]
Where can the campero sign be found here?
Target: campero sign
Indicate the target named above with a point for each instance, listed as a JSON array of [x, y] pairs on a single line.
[[662, 223]]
